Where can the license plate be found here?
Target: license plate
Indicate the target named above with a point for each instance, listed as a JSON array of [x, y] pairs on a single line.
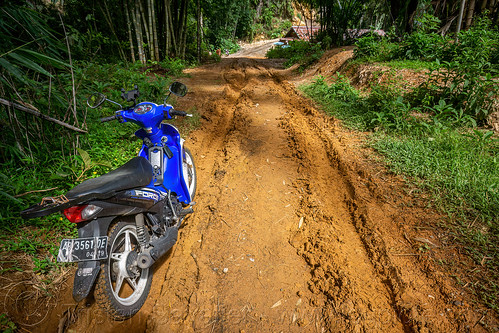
[[83, 249]]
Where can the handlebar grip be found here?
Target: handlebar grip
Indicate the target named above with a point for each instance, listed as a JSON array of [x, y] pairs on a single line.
[[178, 113], [105, 119]]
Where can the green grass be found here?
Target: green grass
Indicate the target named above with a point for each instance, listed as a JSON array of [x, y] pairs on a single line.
[[463, 174], [458, 166], [416, 65]]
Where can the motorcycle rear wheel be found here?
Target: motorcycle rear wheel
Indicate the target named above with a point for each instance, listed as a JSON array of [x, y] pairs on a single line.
[[189, 171], [122, 287]]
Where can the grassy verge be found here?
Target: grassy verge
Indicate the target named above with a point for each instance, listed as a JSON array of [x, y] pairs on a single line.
[[457, 164]]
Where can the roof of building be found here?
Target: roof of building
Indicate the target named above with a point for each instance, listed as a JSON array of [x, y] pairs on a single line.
[[302, 32], [305, 32]]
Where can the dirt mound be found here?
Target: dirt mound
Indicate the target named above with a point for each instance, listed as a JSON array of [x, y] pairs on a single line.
[[331, 62], [361, 75]]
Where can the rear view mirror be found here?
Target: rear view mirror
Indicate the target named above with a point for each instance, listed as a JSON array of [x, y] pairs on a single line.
[[178, 89], [95, 100]]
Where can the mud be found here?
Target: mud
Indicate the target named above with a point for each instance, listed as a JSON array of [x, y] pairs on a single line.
[[296, 227]]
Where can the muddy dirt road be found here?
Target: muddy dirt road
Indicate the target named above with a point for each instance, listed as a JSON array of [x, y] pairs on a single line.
[[292, 230]]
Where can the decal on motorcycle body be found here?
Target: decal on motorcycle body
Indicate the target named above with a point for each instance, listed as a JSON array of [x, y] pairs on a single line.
[[139, 194], [85, 271]]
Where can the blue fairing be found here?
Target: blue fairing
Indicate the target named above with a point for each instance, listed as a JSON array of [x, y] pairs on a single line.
[[173, 177]]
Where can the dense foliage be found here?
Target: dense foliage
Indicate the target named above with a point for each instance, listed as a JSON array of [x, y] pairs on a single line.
[[338, 18], [461, 79]]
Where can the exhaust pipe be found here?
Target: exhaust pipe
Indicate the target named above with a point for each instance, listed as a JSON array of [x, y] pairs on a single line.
[[157, 248]]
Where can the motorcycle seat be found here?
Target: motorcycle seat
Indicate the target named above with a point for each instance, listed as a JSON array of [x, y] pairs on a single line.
[[135, 173]]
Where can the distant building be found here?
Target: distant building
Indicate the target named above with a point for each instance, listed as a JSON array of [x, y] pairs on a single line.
[[301, 32]]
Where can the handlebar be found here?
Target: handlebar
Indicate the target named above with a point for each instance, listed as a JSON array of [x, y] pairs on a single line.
[[180, 113], [105, 119], [172, 112]]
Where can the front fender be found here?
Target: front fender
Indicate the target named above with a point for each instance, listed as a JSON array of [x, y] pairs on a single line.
[[88, 270]]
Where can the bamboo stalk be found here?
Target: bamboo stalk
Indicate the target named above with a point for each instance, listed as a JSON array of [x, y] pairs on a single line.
[[40, 115], [142, 20], [182, 37], [172, 31], [155, 31], [138, 34], [460, 19], [167, 27], [129, 26], [469, 16], [151, 35]]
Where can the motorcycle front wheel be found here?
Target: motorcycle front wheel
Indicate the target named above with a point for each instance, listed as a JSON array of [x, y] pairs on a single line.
[[189, 172], [122, 287]]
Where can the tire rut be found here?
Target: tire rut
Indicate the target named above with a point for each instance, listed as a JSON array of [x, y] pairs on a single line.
[[239, 232], [407, 289]]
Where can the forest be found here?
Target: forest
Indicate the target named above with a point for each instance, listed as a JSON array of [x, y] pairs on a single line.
[[57, 52]]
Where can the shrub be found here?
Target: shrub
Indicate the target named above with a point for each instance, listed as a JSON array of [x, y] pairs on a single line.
[[298, 51], [372, 45]]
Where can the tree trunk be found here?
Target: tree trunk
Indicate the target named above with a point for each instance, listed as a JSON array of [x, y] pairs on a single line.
[[109, 21], [143, 21], [154, 31], [483, 6], [138, 33], [129, 27], [181, 29], [469, 16], [198, 13], [171, 29], [151, 36], [167, 28], [460, 19], [184, 31]]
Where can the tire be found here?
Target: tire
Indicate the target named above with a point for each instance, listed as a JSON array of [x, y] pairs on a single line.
[[122, 300], [189, 171]]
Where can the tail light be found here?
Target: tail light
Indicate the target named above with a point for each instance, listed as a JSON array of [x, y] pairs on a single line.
[[82, 213]]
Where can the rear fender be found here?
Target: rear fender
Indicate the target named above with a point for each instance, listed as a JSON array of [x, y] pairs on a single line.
[[88, 270]]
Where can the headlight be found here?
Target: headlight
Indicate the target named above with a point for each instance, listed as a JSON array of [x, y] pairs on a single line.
[[143, 108]]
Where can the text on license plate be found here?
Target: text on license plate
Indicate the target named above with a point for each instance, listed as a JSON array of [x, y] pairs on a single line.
[[82, 249]]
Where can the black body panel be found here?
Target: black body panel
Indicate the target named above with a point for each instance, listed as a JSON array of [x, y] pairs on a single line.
[[88, 270]]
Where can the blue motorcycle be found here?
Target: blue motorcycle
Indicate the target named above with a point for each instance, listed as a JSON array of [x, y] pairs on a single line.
[[128, 218]]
